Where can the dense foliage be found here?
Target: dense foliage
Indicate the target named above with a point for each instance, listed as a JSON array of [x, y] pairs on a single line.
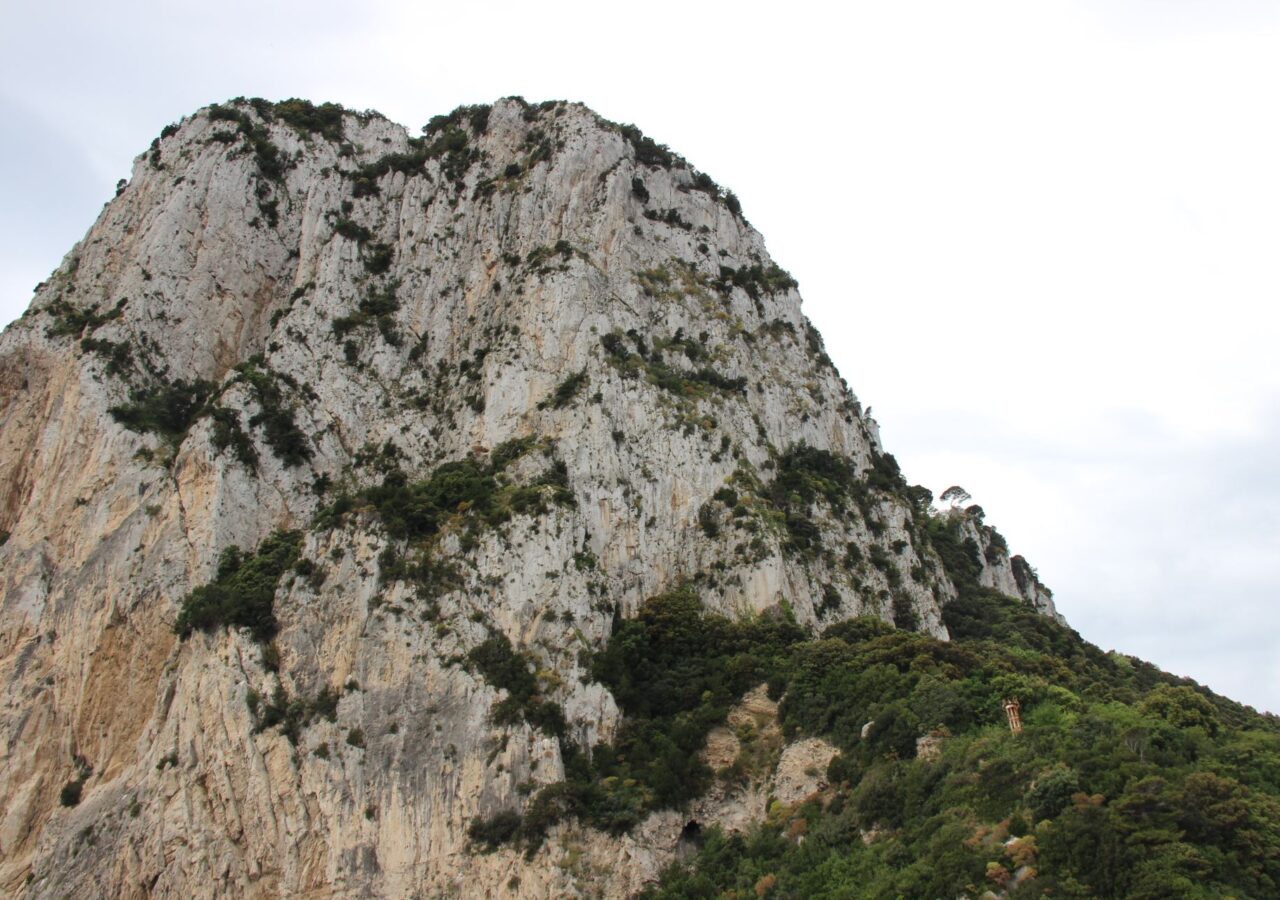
[[675, 672], [243, 589], [166, 408], [500, 665], [1125, 782], [470, 494], [469, 487]]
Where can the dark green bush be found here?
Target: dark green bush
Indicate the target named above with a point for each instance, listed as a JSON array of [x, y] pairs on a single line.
[[476, 117], [491, 833], [1102, 786], [352, 231], [271, 164], [227, 433], [164, 408], [502, 667], [675, 672], [275, 413], [683, 382], [378, 307], [647, 151], [70, 793], [118, 355], [756, 280], [378, 258], [324, 120], [667, 217], [242, 593], [566, 391], [75, 321]]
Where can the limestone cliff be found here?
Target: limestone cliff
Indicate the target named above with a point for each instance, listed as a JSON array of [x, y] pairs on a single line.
[[288, 315]]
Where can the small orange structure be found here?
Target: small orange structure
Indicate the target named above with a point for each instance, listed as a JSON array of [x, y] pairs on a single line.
[[1011, 709]]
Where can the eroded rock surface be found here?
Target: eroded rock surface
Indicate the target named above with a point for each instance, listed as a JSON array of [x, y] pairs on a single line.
[[277, 312]]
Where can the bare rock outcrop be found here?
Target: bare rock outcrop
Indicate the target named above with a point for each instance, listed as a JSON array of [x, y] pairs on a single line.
[[289, 308]]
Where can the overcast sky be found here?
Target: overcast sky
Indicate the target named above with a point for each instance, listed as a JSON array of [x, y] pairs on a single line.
[[1041, 239]]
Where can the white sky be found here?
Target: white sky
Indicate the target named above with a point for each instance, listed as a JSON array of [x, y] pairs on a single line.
[[1039, 238]]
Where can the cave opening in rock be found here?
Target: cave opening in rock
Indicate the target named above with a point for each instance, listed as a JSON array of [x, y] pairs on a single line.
[[690, 839]]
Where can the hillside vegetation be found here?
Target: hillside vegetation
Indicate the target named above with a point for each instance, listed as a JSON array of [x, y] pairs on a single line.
[[1125, 781]]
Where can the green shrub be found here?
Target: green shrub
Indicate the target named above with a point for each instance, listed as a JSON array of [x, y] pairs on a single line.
[[75, 321], [733, 203], [271, 165], [167, 409], [352, 231], [325, 120], [378, 307], [242, 594], [475, 116], [647, 151], [687, 383], [275, 413], [292, 715], [503, 668], [416, 510], [493, 832], [668, 217], [227, 433], [70, 793], [756, 280], [675, 671], [566, 391], [118, 355]]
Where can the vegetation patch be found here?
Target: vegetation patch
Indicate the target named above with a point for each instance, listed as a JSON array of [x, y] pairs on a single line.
[[505, 669], [543, 259], [804, 476], [255, 137], [668, 217], [270, 162], [228, 434], [445, 138], [469, 495], [242, 593], [1124, 782], [275, 413], [73, 790], [675, 672], [566, 391], [467, 488], [75, 321], [351, 230], [292, 715], [648, 152], [164, 408], [117, 354], [687, 383], [756, 280], [378, 307], [325, 120]]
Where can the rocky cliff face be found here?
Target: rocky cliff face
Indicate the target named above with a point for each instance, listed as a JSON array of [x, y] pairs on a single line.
[[506, 379]]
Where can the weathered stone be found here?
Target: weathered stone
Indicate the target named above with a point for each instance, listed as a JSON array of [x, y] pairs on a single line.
[[404, 315]]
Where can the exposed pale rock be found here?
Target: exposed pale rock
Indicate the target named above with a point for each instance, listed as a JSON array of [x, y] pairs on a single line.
[[802, 770], [411, 315]]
